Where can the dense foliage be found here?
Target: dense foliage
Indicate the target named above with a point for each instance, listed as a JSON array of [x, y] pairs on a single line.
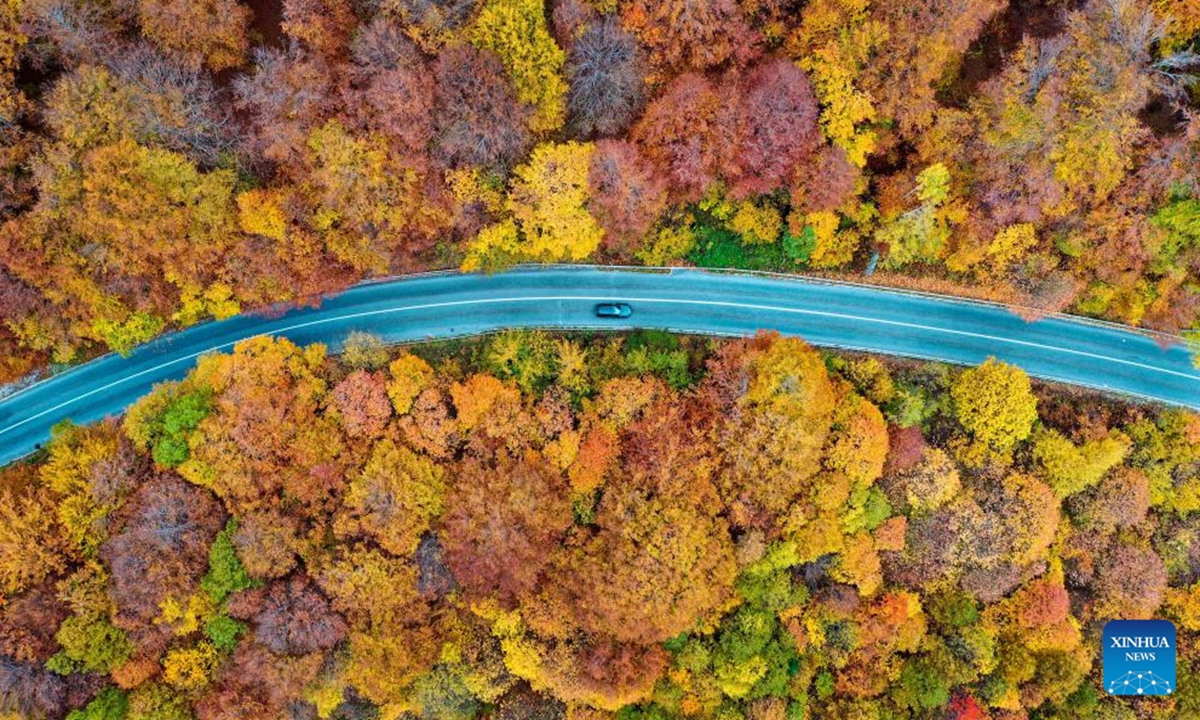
[[538, 526], [167, 161]]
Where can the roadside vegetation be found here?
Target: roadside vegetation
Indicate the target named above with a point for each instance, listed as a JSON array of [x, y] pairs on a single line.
[[167, 161], [635, 527]]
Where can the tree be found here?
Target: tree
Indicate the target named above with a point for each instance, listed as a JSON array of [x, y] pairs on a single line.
[[433, 23], [1020, 516], [477, 118], [627, 195], [255, 683], [111, 703], [1120, 500], [289, 93], [994, 403], [662, 559], [290, 617], [548, 201], [31, 548], [686, 35], [929, 484], [266, 543], [474, 398], [516, 31], [502, 525], [367, 203], [162, 421], [29, 624], [825, 183], [922, 686], [28, 690], [923, 40], [1130, 582], [777, 403], [1070, 468], [226, 574], [606, 79], [11, 40], [833, 43], [858, 444], [395, 497], [189, 669], [776, 130], [391, 93], [160, 554], [166, 102], [323, 26], [368, 587], [92, 641], [922, 233], [362, 401], [365, 351], [410, 377], [156, 217], [685, 131], [266, 443], [211, 31]]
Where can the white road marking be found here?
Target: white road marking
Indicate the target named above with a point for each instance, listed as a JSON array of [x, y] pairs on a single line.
[[587, 298]]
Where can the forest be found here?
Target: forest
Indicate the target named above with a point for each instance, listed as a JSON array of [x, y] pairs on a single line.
[[163, 162], [596, 527]]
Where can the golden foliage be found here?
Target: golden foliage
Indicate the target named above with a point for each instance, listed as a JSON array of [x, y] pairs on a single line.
[[517, 31]]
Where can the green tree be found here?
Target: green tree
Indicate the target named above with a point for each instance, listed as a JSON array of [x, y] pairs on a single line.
[[94, 642], [111, 703], [163, 420], [921, 234], [922, 686], [226, 575]]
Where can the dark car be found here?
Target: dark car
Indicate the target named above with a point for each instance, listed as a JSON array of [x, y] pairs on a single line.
[[613, 310]]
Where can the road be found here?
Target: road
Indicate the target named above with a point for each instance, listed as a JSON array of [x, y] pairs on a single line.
[[440, 306]]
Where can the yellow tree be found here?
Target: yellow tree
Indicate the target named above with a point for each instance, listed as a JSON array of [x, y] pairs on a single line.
[[516, 30], [548, 202], [208, 31], [366, 201], [410, 376], [1070, 468], [773, 434], [922, 233], [394, 498], [995, 404], [833, 43]]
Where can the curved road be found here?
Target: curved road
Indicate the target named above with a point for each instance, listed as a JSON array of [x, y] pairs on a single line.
[[425, 307]]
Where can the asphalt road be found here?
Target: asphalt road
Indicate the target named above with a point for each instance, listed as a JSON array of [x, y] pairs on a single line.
[[439, 306]]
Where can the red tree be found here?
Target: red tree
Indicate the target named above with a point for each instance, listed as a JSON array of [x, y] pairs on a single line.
[[161, 552], [363, 403], [627, 193], [290, 617], [478, 119], [777, 128], [690, 34], [502, 524], [686, 132]]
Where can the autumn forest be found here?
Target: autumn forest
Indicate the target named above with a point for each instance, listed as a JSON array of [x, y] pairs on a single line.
[[574, 526], [163, 162], [640, 527]]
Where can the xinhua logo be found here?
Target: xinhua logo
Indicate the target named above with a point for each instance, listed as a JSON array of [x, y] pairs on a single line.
[[1139, 657]]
